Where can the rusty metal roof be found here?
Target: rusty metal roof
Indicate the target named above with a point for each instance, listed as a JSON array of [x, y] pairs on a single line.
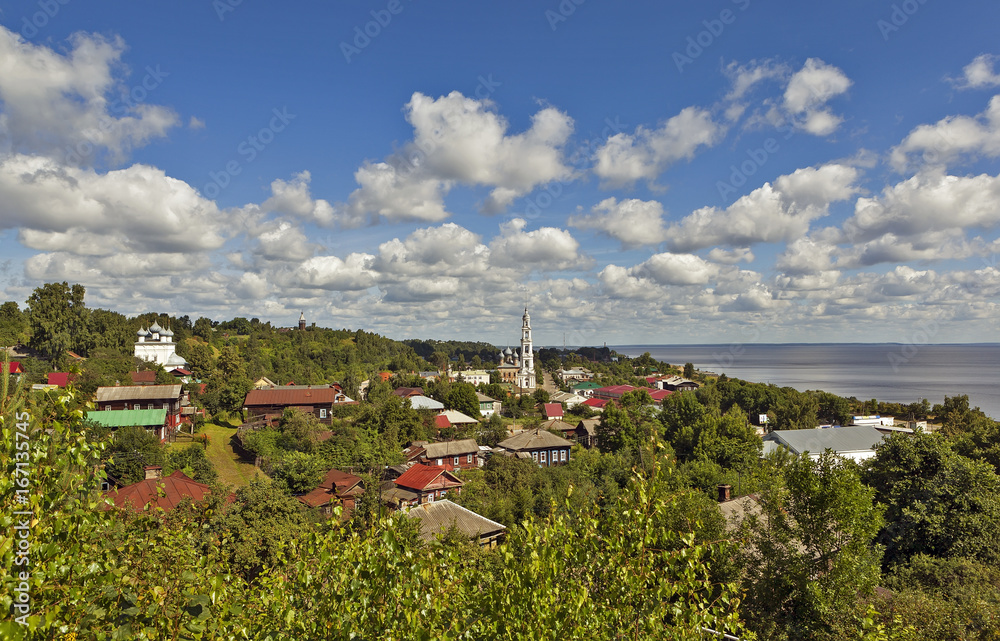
[[176, 487], [451, 448], [536, 439], [435, 518], [297, 395], [139, 393]]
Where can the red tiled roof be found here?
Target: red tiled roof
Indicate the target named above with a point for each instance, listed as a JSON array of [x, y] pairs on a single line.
[[420, 477], [15, 367], [298, 396], [181, 371], [146, 376], [60, 378], [176, 487], [552, 410], [407, 392], [441, 422], [596, 402]]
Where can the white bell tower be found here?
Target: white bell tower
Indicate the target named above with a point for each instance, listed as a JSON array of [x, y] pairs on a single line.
[[526, 375]]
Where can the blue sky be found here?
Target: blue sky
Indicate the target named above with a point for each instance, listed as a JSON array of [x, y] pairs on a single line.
[[635, 172]]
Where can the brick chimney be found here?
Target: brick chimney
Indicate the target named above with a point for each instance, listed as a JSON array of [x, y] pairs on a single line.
[[153, 471], [724, 493]]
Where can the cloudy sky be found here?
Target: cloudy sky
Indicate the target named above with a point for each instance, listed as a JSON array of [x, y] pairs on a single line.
[[636, 172]]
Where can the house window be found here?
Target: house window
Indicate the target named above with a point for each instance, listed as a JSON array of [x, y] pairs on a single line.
[[440, 462], [534, 455], [562, 455], [149, 407], [455, 462], [107, 408], [468, 458], [322, 413]]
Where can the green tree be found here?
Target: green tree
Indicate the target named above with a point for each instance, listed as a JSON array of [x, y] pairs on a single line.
[[938, 502], [201, 360], [808, 555], [13, 325], [203, 329], [257, 525], [298, 471], [111, 331], [462, 397], [192, 461], [131, 450], [58, 318], [689, 370], [493, 431]]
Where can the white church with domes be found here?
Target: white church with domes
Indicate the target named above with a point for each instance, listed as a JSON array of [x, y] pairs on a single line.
[[518, 368], [156, 345]]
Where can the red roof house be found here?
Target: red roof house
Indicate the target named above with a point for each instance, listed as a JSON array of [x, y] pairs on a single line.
[[659, 394], [14, 368], [441, 422], [429, 483], [336, 487], [595, 403], [613, 392], [553, 410], [176, 487], [269, 403]]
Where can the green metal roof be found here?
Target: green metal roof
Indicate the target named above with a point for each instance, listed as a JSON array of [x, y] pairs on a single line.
[[128, 418], [588, 385]]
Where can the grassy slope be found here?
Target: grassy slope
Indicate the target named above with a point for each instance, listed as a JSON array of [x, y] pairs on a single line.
[[231, 470]]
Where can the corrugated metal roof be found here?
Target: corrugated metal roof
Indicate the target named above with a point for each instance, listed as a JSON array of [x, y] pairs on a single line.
[[425, 403], [838, 439], [457, 418], [556, 424], [138, 393], [451, 448], [435, 519], [128, 418], [534, 440]]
